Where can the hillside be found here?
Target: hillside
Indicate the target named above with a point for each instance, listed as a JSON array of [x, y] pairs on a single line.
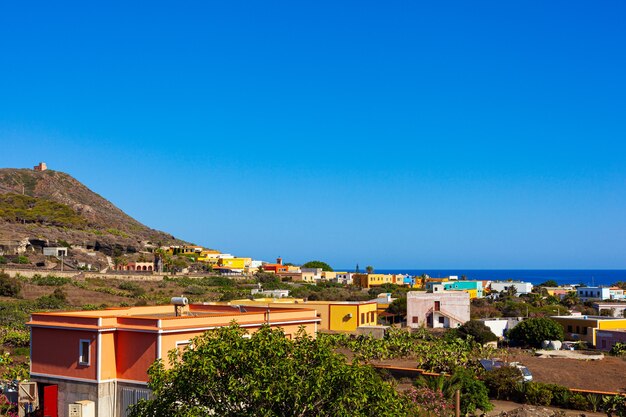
[[54, 207]]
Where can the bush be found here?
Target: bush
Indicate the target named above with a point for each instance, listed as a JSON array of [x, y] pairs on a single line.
[[22, 259], [531, 332], [618, 349], [194, 290], [536, 393], [578, 402], [9, 287], [3, 260], [16, 338], [474, 393], [135, 289], [560, 395], [55, 301], [50, 280], [504, 383], [477, 329]]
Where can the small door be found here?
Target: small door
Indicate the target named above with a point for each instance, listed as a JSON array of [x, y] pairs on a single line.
[[51, 401]]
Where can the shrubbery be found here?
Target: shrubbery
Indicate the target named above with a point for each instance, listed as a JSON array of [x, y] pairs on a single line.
[[9, 287], [54, 301], [50, 280], [533, 331], [15, 338], [135, 289]]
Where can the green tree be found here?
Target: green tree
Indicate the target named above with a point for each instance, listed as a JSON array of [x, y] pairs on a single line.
[[477, 330], [531, 332], [570, 299], [549, 283], [398, 307], [474, 393], [9, 287], [369, 269], [318, 264], [268, 375]]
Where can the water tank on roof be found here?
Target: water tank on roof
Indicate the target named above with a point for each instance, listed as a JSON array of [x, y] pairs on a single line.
[[179, 301]]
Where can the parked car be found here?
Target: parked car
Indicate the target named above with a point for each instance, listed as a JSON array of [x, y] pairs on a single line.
[[491, 364]]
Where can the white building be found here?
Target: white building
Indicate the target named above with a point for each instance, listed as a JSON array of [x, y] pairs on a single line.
[[500, 326], [614, 309], [55, 251], [311, 274], [520, 287], [344, 278], [437, 310], [593, 293]]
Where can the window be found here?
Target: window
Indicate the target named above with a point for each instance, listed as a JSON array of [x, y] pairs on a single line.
[[584, 330], [569, 328], [415, 319], [83, 352], [603, 344], [437, 305], [442, 320], [362, 317]]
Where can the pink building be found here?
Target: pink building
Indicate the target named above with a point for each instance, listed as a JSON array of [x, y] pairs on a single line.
[[605, 339], [437, 310]]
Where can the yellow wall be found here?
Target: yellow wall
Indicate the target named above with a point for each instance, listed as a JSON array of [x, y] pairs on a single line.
[[235, 263], [327, 275], [612, 324], [332, 313], [373, 280], [343, 318]]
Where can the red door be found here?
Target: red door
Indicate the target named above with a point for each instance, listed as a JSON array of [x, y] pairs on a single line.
[[50, 401]]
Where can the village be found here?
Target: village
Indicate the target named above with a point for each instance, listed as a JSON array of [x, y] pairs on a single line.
[[100, 357]]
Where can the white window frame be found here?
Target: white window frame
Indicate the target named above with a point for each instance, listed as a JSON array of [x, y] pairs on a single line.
[[81, 353]]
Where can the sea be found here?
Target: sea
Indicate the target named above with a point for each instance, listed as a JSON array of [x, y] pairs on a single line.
[[590, 277]]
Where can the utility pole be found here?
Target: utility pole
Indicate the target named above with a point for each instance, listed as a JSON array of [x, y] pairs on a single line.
[[457, 397]]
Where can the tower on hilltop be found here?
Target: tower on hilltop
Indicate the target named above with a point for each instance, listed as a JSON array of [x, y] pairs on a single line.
[[41, 167]]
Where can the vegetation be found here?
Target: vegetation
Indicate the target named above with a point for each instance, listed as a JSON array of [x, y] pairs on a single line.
[[533, 331], [9, 287], [447, 354], [478, 331], [55, 301], [18, 208], [135, 289], [265, 375], [318, 264], [50, 280], [618, 349], [549, 283]]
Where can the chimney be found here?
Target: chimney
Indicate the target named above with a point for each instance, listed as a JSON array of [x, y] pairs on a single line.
[[279, 261]]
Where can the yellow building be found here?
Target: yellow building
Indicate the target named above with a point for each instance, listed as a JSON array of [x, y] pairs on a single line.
[[373, 280], [329, 275], [343, 316], [585, 327], [232, 263], [209, 256], [185, 250]]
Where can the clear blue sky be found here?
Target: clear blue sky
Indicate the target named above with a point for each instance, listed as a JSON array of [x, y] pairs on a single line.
[[396, 134]]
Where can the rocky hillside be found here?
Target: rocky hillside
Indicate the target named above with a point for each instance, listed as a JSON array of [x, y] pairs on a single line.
[[55, 208]]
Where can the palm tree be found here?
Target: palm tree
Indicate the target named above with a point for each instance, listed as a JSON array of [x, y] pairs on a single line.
[[369, 269]]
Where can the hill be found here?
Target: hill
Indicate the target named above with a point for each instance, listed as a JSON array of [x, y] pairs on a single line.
[[52, 207]]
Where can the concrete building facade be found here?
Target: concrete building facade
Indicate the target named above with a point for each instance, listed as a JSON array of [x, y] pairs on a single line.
[[103, 356], [437, 310]]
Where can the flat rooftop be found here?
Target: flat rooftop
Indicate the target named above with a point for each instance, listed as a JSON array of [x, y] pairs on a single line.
[[588, 317]]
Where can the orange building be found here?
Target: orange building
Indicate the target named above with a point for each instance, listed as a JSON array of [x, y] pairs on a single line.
[[276, 268], [103, 356]]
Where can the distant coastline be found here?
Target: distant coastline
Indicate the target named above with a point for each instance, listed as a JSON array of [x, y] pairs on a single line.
[[535, 276]]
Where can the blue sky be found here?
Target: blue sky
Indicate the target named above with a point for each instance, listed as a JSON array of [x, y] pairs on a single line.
[[396, 134]]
